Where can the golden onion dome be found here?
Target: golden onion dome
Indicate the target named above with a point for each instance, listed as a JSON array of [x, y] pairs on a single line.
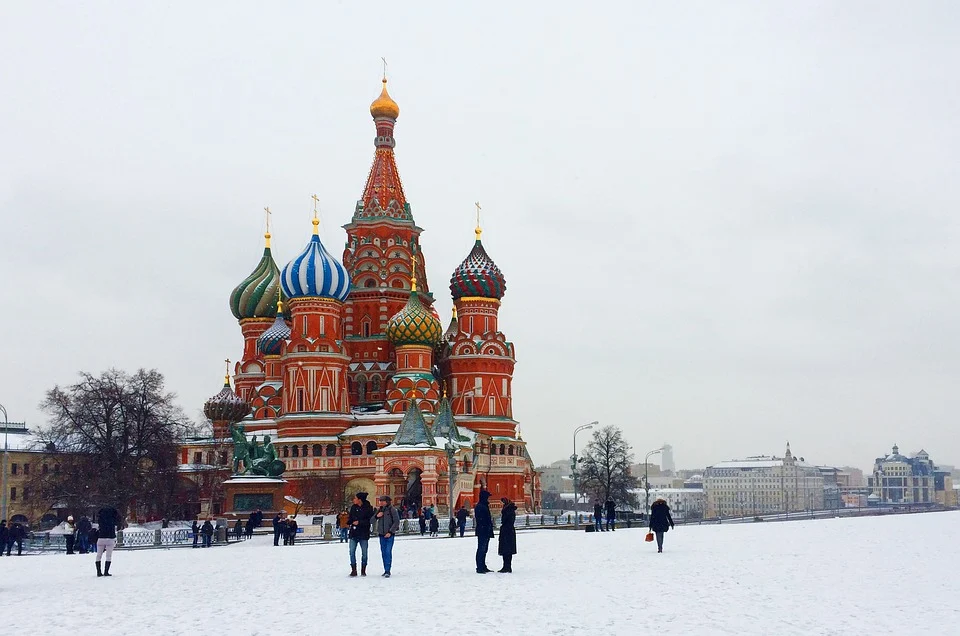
[[384, 106]]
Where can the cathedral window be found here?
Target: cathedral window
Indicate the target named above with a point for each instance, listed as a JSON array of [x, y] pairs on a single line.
[[317, 450], [299, 399], [371, 446], [331, 450], [304, 450], [365, 327], [356, 448], [375, 384], [491, 406], [361, 388], [370, 282], [286, 451], [398, 284], [493, 449], [296, 451], [509, 450], [468, 406], [501, 449]]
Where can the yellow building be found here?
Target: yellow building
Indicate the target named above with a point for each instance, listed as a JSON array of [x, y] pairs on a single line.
[[22, 460]]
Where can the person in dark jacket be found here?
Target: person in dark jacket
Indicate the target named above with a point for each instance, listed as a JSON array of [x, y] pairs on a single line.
[[277, 529], [422, 520], [15, 534], [507, 545], [207, 531], [462, 515], [195, 529], [387, 523], [238, 530], [598, 516], [93, 536], [483, 524], [4, 533], [108, 518], [248, 530], [660, 521], [291, 530], [359, 517], [434, 526], [83, 534], [611, 515]]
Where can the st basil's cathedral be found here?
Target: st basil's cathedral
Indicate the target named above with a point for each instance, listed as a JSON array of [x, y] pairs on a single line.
[[348, 370]]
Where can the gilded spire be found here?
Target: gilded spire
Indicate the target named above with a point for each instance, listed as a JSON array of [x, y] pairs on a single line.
[[478, 231], [316, 219], [413, 271], [454, 312], [266, 234], [279, 301], [226, 378]]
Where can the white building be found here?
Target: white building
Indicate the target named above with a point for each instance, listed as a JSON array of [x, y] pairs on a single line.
[[666, 460], [762, 485], [685, 503]]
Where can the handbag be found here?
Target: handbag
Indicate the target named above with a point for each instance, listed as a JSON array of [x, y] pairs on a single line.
[[649, 537]]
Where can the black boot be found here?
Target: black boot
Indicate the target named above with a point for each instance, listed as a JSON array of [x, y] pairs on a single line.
[[106, 569], [363, 569], [99, 572], [353, 570]]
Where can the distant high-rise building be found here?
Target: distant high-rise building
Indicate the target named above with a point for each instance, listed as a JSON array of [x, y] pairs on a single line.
[[666, 460]]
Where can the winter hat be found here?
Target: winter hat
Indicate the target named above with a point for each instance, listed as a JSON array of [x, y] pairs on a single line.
[[384, 498], [70, 518], [362, 496]]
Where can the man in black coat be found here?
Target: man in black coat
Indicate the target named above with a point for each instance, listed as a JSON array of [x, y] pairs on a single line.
[[4, 533], [358, 520], [16, 533], [611, 515], [291, 530], [507, 546], [207, 531], [277, 529], [660, 521], [195, 529], [83, 534], [462, 515], [598, 516], [483, 523]]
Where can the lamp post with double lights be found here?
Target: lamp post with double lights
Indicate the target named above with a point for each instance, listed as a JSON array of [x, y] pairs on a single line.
[[646, 480], [576, 477]]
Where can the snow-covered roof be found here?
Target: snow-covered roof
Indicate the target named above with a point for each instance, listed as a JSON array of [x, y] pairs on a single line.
[[373, 429], [771, 463], [25, 441], [410, 447], [243, 479]]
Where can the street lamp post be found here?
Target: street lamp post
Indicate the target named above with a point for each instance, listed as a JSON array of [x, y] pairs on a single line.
[[646, 480], [451, 473], [3, 480], [576, 485]]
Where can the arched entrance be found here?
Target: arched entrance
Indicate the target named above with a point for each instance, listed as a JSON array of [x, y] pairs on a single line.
[[414, 494], [361, 484]]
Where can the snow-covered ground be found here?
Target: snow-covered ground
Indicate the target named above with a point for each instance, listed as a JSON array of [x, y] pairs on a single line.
[[873, 575]]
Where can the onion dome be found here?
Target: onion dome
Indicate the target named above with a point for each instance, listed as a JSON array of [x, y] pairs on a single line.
[[256, 296], [226, 406], [478, 275], [384, 106], [271, 340], [314, 272], [414, 324]]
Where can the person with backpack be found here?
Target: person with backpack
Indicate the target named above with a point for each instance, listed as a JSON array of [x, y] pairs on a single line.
[[387, 523], [361, 513]]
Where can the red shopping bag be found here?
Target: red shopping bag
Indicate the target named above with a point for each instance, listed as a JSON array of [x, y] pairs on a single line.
[[649, 537]]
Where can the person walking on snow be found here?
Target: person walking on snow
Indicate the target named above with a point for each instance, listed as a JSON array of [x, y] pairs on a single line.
[[387, 523], [343, 525], [598, 516], [507, 546], [462, 515], [361, 513], [660, 521], [195, 529], [292, 530], [611, 515], [483, 524], [15, 534], [277, 529], [434, 526], [109, 521], [422, 520]]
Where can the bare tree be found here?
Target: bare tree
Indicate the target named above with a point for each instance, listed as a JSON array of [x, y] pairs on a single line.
[[323, 494], [606, 467], [112, 439]]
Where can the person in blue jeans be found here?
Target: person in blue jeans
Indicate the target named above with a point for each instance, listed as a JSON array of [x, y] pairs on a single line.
[[387, 524], [611, 508], [483, 524], [598, 516], [361, 513]]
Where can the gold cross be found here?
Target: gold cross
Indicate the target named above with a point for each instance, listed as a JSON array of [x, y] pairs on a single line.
[[226, 378], [267, 210], [478, 231], [384, 68], [316, 202]]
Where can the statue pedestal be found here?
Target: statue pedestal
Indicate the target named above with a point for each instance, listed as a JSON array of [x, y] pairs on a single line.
[[244, 494]]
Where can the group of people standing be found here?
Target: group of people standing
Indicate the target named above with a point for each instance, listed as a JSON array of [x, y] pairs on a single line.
[[610, 507], [8, 536], [284, 527], [204, 532]]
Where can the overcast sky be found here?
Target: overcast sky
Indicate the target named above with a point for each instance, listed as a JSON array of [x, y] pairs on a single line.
[[723, 225]]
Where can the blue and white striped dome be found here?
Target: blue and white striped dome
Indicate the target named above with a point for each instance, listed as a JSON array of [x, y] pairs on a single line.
[[315, 273]]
